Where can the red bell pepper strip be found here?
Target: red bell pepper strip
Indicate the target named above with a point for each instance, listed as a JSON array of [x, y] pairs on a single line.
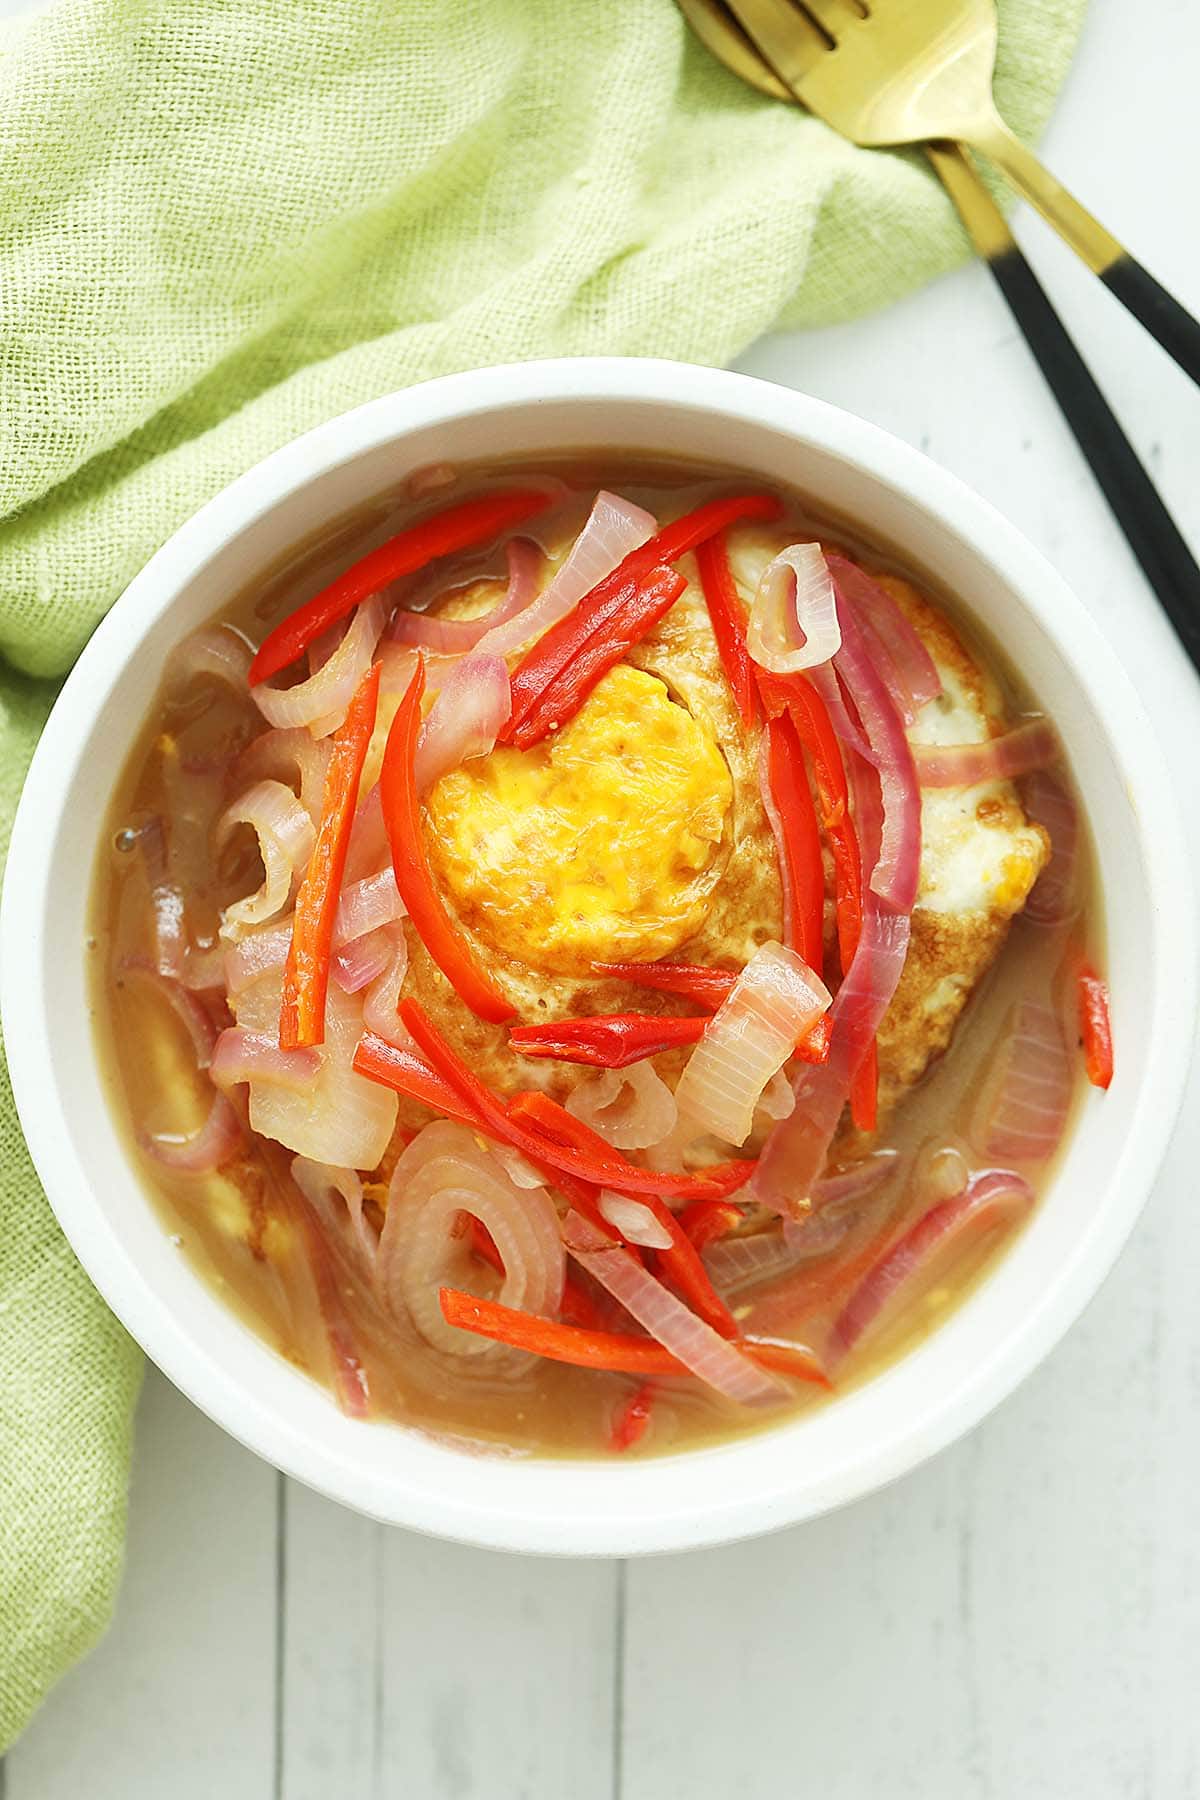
[[584, 1152], [401, 805], [306, 972], [705, 1221], [632, 1418], [557, 647], [638, 611], [1095, 1027], [709, 988], [598, 1164], [801, 848], [578, 1307], [814, 727], [683, 1268], [457, 528], [608, 1040], [729, 627], [616, 1351]]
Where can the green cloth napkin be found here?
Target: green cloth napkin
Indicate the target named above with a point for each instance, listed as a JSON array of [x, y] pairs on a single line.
[[220, 224]]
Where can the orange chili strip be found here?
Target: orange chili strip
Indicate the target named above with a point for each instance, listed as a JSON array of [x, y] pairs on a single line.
[[729, 628], [691, 981], [632, 1418], [641, 607], [556, 648], [619, 1352], [306, 972], [606, 1040], [401, 805], [1095, 1027], [457, 528]]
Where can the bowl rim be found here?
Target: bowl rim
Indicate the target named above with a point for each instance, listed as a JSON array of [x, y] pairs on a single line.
[[953, 508]]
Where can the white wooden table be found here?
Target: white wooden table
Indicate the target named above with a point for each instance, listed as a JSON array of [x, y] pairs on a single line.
[[1019, 1619]]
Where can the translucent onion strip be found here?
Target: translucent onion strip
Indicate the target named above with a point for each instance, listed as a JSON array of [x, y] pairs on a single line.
[[455, 637], [1029, 1096], [285, 840], [634, 1220], [442, 1175], [464, 719], [1049, 803], [336, 1196], [773, 1003], [293, 757], [321, 701], [218, 652], [995, 1198], [713, 1359], [793, 621], [633, 1108], [1018, 752]]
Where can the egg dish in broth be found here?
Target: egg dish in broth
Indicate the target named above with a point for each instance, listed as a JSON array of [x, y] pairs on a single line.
[[592, 958]]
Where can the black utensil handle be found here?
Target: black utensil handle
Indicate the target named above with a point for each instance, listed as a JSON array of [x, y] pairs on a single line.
[[1149, 302], [1153, 535]]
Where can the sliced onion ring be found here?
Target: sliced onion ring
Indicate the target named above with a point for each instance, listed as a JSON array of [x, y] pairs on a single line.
[[793, 621], [772, 1004], [321, 701], [906, 664], [454, 637], [633, 1108], [285, 841], [441, 1175], [991, 1199], [294, 757], [218, 652]]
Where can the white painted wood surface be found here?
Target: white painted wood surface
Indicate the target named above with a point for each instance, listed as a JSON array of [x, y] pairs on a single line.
[[1020, 1618]]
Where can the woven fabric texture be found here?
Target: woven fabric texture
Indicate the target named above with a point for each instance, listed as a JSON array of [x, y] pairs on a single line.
[[221, 224]]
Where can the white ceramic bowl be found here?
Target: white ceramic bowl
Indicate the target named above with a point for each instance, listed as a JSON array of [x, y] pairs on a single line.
[[842, 1450]]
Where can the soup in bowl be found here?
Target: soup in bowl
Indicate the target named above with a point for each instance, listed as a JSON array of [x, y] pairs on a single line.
[[598, 956]]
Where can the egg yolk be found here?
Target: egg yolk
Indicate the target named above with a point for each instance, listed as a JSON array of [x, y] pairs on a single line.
[[601, 843]]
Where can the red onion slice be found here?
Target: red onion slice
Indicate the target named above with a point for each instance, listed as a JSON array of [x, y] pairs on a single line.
[[190, 1012], [906, 665], [241, 1055], [896, 872], [710, 1357], [285, 842], [614, 527], [321, 701], [357, 964], [464, 719], [772, 1004], [1027, 1100], [634, 1220], [205, 1150], [367, 904], [336, 1197], [215, 652], [382, 999], [1018, 752], [633, 1108], [737, 1262], [293, 757], [443, 1174], [991, 1199], [455, 637], [793, 620], [1049, 803]]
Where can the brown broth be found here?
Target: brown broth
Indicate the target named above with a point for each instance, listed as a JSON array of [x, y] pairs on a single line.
[[237, 1227]]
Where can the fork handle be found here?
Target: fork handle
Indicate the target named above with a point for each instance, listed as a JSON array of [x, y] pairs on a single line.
[[1149, 302], [1133, 499]]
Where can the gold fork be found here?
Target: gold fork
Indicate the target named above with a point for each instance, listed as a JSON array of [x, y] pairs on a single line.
[[915, 71], [1153, 535]]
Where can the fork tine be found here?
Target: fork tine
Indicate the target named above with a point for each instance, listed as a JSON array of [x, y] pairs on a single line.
[[833, 16], [787, 37]]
